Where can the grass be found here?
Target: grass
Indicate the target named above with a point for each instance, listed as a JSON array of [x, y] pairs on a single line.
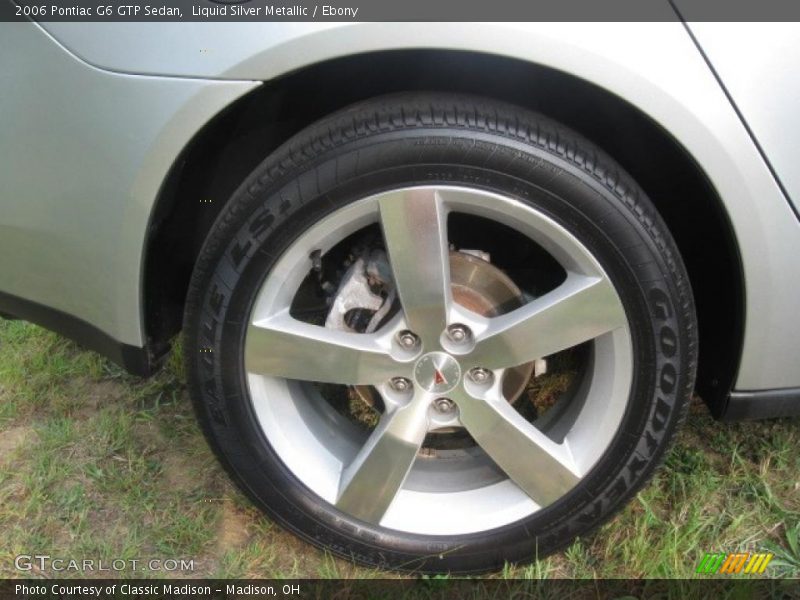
[[96, 463]]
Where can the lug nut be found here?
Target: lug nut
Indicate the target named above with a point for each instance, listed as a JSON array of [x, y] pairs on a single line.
[[407, 339], [480, 375], [400, 384], [443, 405], [458, 333]]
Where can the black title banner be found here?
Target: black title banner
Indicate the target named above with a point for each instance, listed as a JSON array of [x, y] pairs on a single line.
[[399, 10]]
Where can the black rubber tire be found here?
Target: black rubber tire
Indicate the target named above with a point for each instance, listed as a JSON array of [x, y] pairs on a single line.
[[408, 139]]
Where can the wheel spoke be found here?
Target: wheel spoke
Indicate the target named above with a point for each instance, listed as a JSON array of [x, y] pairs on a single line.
[[415, 229], [282, 346], [370, 483], [543, 469], [580, 309]]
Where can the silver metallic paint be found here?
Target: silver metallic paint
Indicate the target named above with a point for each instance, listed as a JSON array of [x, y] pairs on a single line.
[[759, 65], [76, 225], [84, 153]]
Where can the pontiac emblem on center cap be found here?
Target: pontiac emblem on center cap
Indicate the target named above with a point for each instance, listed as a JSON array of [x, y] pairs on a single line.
[[437, 372]]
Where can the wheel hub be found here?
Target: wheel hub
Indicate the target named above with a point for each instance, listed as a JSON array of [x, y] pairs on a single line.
[[479, 286]]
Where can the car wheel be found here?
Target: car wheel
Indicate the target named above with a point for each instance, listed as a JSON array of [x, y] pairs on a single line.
[[439, 333]]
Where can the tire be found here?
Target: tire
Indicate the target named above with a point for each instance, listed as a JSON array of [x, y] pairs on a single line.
[[510, 171]]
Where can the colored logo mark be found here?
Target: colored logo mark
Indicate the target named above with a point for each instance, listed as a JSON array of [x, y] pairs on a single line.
[[741, 562]]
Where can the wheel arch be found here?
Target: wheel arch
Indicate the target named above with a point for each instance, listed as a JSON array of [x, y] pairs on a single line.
[[231, 144]]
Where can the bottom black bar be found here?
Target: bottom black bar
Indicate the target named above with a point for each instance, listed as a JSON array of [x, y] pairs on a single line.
[[427, 589]]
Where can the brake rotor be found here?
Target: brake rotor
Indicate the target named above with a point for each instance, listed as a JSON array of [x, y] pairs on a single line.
[[479, 286]]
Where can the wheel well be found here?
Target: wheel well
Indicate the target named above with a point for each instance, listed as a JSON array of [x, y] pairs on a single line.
[[233, 143]]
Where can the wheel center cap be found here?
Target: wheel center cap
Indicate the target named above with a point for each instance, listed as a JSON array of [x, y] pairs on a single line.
[[437, 372]]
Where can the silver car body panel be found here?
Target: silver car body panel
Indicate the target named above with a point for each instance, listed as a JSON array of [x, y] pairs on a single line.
[[78, 193], [761, 77], [84, 155]]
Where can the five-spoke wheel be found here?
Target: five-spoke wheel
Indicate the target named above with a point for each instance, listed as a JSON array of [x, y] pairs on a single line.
[[449, 373]]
